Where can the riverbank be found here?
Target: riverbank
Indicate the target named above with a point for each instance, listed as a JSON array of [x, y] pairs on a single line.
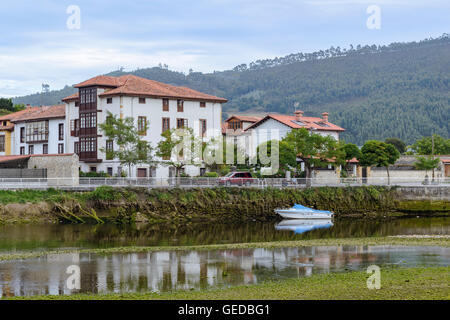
[[396, 284], [213, 204], [372, 241]]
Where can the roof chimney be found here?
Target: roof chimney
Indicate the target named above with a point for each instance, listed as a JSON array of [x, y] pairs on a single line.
[[298, 115], [325, 116]]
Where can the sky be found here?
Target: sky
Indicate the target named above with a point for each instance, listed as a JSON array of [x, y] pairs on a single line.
[[61, 42]]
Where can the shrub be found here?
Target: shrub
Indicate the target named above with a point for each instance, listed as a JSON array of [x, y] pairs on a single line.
[[211, 174]]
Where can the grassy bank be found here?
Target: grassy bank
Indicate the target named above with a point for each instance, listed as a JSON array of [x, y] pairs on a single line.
[[197, 204], [396, 284], [373, 241]]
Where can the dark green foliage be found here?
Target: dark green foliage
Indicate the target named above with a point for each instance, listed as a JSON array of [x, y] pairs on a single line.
[[6, 104], [397, 143], [374, 92], [424, 146]]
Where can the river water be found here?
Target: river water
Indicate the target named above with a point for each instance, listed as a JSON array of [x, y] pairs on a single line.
[[15, 238], [186, 270], [190, 269]]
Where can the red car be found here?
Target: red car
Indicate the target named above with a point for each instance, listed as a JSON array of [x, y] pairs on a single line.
[[237, 178]]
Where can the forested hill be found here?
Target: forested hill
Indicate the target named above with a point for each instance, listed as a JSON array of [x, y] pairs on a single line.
[[400, 90]]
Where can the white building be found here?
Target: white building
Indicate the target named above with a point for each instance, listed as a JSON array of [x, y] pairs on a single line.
[[163, 106], [277, 126], [39, 130]]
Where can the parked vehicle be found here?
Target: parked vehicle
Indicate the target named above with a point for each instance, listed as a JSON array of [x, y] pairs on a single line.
[[237, 178]]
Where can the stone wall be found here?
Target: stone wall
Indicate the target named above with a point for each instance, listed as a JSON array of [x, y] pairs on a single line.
[[62, 169]]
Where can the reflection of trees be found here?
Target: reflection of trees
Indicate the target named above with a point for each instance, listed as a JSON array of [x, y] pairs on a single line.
[[24, 237]]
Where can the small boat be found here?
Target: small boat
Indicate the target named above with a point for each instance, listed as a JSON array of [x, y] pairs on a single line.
[[301, 212], [304, 225]]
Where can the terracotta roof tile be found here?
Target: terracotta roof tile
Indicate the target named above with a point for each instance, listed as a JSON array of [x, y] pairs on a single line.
[[137, 86], [44, 112], [14, 115], [13, 158], [244, 118], [72, 97], [306, 122]]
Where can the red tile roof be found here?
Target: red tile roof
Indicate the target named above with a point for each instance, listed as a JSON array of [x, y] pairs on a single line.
[[14, 115], [137, 86], [308, 123], [244, 118], [72, 97], [13, 158], [44, 112]]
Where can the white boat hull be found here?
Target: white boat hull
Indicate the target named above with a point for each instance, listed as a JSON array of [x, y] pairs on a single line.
[[306, 214]]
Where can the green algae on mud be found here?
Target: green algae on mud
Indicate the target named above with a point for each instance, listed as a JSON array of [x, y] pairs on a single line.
[[419, 241], [429, 283], [127, 205]]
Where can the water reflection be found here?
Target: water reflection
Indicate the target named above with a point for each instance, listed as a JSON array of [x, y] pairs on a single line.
[[303, 225], [36, 237], [184, 270]]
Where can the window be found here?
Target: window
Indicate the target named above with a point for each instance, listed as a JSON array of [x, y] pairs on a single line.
[[234, 124], [22, 134], [110, 171], [142, 100], [93, 169], [165, 104], [202, 104], [60, 148], [2, 143], [109, 100], [142, 126], [61, 131], [76, 147], [203, 127], [109, 149], [88, 120], [37, 131], [180, 105], [45, 149], [30, 149], [22, 151], [182, 123], [165, 124]]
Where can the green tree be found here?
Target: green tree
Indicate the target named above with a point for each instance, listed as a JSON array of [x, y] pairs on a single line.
[[351, 151], [314, 150], [424, 146], [180, 147], [286, 155], [427, 163], [399, 144], [6, 104], [380, 154], [131, 149]]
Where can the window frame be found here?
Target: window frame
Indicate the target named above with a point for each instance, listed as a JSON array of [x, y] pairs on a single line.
[[180, 105]]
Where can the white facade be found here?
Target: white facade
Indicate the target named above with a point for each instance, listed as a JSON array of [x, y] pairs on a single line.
[[152, 109], [52, 140], [272, 129]]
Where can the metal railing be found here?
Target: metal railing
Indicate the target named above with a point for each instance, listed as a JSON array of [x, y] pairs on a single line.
[[205, 182]]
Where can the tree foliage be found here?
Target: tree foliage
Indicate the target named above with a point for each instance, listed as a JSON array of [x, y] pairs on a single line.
[[314, 150], [379, 154], [424, 146], [131, 149], [427, 163], [397, 143]]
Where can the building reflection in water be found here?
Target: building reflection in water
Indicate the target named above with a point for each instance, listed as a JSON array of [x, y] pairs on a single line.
[[186, 270]]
